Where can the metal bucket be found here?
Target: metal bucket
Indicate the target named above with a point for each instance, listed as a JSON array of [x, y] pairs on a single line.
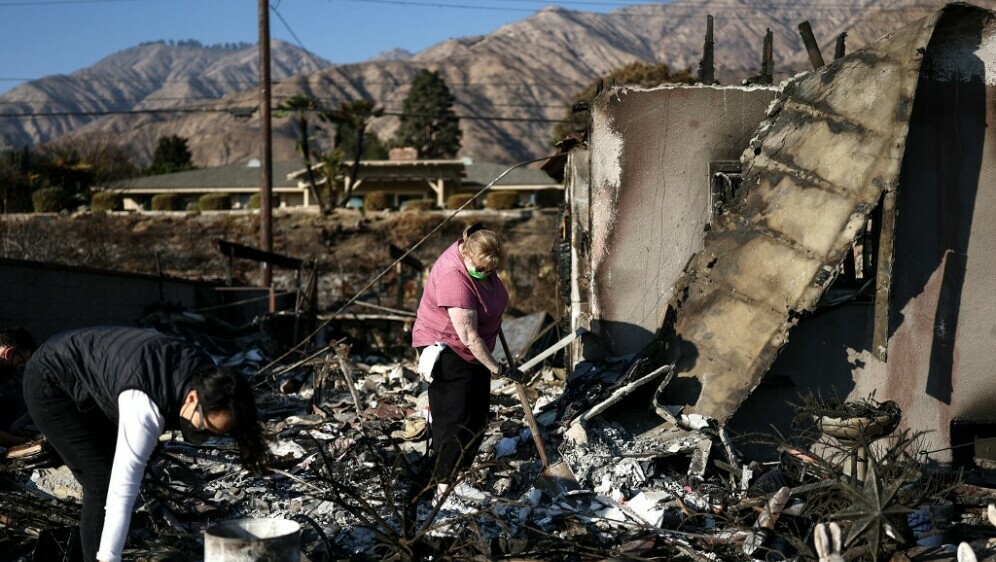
[[253, 540]]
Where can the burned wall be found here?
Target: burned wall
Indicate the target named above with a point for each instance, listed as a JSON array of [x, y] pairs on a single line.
[[649, 197], [941, 311], [819, 166], [942, 321], [47, 299]]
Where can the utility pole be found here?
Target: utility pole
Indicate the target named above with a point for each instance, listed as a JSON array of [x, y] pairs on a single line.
[[266, 167]]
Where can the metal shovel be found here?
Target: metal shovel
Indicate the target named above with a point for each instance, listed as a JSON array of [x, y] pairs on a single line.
[[557, 479]]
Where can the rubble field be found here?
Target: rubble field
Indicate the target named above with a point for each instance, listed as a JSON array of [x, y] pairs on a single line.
[[349, 431]]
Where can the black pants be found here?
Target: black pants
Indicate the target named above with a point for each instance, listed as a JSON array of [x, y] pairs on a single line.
[[84, 440], [459, 399]]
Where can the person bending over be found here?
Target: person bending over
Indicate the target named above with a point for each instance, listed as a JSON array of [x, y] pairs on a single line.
[[103, 396]]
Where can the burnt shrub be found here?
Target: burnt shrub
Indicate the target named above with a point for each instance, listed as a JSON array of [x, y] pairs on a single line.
[[409, 228], [166, 202], [215, 202], [50, 199], [499, 200], [107, 201]]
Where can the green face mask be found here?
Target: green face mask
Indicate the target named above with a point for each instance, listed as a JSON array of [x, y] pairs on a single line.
[[472, 271]]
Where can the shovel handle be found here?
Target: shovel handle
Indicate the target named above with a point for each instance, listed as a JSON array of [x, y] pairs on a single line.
[[520, 391]]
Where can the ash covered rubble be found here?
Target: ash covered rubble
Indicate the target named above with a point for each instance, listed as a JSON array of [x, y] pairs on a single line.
[[348, 464]]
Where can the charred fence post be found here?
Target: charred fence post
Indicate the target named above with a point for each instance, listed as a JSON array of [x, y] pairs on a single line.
[[768, 57], [707, 68], [815, 56], [839, 49], [883, 276], [767, 74]]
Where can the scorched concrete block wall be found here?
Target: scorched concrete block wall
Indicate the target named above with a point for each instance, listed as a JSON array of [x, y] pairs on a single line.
[[48, 299], [650, 195]]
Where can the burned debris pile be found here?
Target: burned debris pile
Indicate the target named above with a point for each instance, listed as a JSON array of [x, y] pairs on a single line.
[[349, 433]]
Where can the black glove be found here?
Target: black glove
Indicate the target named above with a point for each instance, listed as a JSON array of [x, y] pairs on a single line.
[[504, 372]]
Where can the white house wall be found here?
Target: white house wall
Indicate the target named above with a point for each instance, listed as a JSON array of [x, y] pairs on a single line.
[[650, 195]]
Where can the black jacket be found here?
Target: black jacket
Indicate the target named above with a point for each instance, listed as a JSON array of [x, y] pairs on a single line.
[[95, 365]]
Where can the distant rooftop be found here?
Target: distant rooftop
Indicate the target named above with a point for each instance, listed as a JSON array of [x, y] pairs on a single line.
[[482, 173], [241, 175]]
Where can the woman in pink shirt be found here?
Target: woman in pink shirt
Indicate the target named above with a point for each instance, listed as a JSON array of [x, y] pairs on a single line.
[[461, 308]]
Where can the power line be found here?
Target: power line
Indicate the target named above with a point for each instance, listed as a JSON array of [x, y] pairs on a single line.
[[245, 110], [662, 10], [314, 61], [59, 2]]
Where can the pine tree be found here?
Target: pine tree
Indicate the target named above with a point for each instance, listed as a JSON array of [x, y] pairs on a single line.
[[172, 155], [429, 123]]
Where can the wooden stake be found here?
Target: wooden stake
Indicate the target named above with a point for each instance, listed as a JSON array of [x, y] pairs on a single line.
[[840, 49]]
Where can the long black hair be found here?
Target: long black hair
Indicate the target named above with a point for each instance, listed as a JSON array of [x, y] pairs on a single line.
[[222, 389], [18, 338]]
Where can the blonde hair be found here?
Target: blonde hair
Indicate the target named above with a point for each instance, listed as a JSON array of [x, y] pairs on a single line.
[[484, 247]]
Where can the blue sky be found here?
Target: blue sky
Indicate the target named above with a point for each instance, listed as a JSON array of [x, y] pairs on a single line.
[[44, 37]]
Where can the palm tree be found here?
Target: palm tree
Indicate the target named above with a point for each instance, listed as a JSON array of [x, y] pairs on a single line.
[[355, 115], [298, 108]]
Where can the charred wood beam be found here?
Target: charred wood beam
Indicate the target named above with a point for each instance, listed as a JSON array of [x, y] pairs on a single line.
[[840, 49], [767, 73], [883, 276], [812, 47], [233, 250], [346, 368], [768, 58], [620, 393], [707, 67]]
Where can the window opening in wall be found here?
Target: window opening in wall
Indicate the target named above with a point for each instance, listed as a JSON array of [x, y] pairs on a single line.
[[725, 180]]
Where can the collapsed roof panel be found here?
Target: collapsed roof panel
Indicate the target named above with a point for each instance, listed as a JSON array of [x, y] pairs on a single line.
[[833, 144]]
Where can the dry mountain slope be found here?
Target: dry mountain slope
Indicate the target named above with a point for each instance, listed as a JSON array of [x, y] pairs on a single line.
[[511, 83], [151, 75]]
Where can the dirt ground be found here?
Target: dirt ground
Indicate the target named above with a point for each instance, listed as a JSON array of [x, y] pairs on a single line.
[[349, 249]]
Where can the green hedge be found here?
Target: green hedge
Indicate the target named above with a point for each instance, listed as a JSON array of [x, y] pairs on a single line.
[[418, 205], [50, 199], [215, 202], [107, 201], [166, 202], [499, 200], [376, 201], [455, 201], [254, 201]]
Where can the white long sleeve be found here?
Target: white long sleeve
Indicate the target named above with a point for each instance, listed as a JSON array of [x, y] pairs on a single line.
[[139, 426]]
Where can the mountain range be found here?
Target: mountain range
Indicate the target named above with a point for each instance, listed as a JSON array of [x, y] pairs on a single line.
[[510, 85]]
